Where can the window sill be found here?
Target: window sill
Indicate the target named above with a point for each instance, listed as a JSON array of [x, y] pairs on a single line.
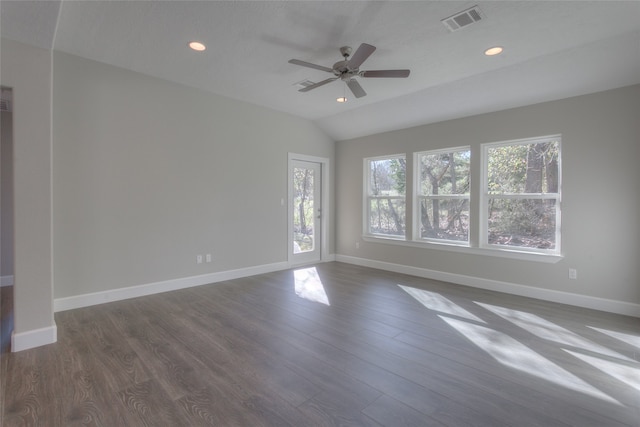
[[500, 253]]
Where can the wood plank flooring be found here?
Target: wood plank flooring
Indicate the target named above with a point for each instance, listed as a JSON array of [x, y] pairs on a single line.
[[6, 327], [254, 352]]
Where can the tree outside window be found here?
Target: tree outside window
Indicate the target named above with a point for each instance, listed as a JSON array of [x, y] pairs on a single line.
[[442, 208], [522, 195], [385, 197], [303, 233], [519, 196]]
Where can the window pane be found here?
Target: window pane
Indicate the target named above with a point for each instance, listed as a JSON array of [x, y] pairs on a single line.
[[387, 216], [387, 177], [523, 168], [444, 219], [303, 209], [386, 186], [444, 173], [525, 223]]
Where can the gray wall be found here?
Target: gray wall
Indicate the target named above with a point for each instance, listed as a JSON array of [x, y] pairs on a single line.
[[6, 194], [147, 174], [27, 70], [600, 153]]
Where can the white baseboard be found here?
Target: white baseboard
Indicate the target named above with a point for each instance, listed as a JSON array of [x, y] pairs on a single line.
[[34, 338], [602, 304], [86, 300], [6, 281]]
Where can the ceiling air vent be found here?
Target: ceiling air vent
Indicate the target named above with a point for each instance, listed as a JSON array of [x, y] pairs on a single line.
[[463, 19], [304, 83]]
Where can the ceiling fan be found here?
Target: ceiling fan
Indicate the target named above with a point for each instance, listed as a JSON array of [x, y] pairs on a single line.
[[347, 69]]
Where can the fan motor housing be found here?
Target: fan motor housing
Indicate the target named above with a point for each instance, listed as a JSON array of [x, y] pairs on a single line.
[[341, 67]]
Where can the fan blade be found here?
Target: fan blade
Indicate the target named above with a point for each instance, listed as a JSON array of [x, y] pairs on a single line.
[[310, 65], [322, 83], [361, 55], [355, 87], [385, 73]]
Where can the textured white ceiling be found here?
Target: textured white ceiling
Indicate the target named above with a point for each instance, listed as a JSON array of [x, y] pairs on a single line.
[[30, 22], [552, 50]]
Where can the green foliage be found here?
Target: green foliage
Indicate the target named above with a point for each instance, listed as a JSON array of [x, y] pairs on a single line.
[[511, 167], [303, 207], [523, 180], [388, 177], [521, 169], [507, 169], [524, 223], [387, 216], [387, 185], [399, 174], [445, 174]]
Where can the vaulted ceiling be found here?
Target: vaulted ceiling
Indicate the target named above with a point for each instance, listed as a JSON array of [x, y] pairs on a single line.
[[552, 50]]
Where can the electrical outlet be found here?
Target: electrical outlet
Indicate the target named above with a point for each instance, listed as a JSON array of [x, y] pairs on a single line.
[[208, 258], [573, 274], [357, 245], [199, 259]]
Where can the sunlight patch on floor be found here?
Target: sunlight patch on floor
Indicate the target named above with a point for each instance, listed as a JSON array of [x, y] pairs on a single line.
[[436, 302], [633, 340], [308, 285], [622, 372], [513, 354], [549, 331]]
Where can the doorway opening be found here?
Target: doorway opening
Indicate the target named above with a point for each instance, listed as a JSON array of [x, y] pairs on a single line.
[[307, 205]]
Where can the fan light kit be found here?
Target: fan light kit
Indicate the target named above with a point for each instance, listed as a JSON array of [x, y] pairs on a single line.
[[197, 46], [343, 98], [348, 69], [492, 51]]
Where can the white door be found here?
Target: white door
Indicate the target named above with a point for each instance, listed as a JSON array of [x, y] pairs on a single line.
[[305, 211]]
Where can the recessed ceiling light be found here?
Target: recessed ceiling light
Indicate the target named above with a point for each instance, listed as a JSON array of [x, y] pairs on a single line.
[[342, 99], [197, 46], [492, 51]]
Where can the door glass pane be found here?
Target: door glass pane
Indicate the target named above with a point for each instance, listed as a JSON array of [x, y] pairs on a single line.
[[303, 210]]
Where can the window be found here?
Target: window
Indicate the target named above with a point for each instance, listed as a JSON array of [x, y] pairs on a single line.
[[512, 209], [520, 203], [442, 195], [385, 204]]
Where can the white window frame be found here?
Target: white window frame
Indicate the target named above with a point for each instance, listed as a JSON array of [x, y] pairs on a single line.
[[367, 197], [418, 197], [485, 196]]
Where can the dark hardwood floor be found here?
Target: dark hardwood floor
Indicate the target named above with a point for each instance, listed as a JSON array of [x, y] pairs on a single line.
[[6, 327], [369, 348]]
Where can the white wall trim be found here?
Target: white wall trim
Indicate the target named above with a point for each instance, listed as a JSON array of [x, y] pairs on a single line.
[[6, 281], [34, 338], [95, 298], [585, 301]]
